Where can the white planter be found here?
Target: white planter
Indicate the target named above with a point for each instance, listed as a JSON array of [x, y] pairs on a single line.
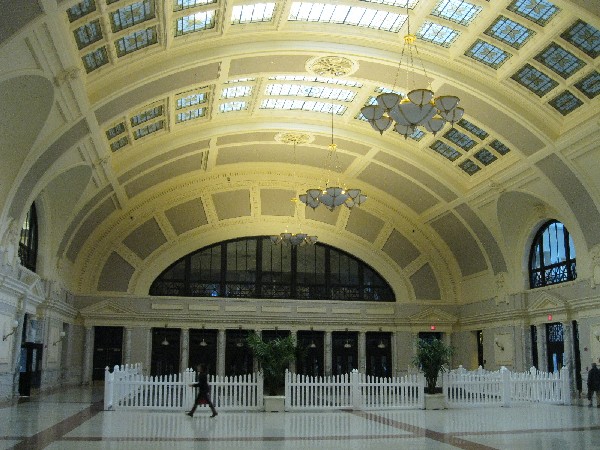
[[274, 403], [435, 401]]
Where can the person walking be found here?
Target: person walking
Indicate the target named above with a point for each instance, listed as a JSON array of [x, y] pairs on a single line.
[[593, 384], [203, 396]]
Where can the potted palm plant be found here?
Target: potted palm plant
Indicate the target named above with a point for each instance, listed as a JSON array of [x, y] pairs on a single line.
[[273, 356], [432, 357]]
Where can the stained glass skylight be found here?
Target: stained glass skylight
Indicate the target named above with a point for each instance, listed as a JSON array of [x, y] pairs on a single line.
[[304, 105], [488, 54], [347, 15], [338, 81], [538, 11], [585, 37], [199, 21], [445, 150], [95, 59], [485, 157], [589, 85], [88, 34], [457, 11], [460, 139], [113, 132], [131, 15], [136, 41], [565, 103], [474, 129], [257, 12], [509, 32], [236, 91], [146, 115], [536, 81], [233, 106], [188, 100], [81, 9], [559, 60], [311, 91], [437, 34], [469, 166], [399, 3], [190, 115], [178, 5], [119, 143], [148, 129], [499, 147]]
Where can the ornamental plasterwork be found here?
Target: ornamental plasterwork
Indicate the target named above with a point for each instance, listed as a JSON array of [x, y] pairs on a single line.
[[543, 302], [331, 66], [290, 137], [433, 316]]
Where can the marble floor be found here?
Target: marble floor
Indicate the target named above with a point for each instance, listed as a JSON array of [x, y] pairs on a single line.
[[73, 419]]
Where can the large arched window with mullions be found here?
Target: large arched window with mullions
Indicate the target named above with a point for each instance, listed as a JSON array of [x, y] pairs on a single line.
[[28, 240], [256, 268], [552, 258]]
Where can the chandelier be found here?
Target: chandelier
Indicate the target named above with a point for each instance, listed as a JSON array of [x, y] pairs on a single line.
[[332, 196], [287, 238], [416, 108]]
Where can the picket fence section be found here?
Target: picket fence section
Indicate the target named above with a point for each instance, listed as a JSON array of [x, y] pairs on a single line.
[[354, 390], [127, 387], [464, 388]]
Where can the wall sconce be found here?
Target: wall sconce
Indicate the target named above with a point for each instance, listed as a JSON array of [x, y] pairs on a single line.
[[14, 328], [500, 346], [61, 336]]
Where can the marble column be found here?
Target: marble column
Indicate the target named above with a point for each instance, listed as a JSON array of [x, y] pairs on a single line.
[[362, 352], [327, 354], [568, 359], [526, 360], [67, 354], [88, 356], [185, 349], [221, 353], [394, 354], [541, 348], [147, 364], [127, 345], [294, 334]]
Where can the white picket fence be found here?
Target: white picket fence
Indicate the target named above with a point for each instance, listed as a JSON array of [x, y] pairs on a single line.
[[464, 388], [127, 387], [354, 390]]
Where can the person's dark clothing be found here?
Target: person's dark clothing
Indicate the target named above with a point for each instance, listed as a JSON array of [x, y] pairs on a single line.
[[203, 396], [593, 381]]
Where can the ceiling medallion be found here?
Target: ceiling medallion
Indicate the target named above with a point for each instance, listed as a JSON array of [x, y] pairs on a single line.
[[291, 137], [332, 66]]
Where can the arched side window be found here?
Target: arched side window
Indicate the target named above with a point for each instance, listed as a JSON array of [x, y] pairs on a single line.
[[255, 268], [28, 241], [552, 257]]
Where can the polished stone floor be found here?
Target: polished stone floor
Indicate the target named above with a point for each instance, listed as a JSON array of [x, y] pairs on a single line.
[[73, 419]]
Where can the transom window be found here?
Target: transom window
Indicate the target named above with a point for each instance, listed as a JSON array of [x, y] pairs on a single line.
[[255, 268], [552, 257]]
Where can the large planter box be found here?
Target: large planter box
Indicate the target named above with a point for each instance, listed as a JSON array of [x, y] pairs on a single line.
[[274, 403], [435, 401]]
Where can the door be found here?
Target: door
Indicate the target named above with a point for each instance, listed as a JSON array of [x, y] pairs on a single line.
[[30, 368], [556, 346], [108, 347], [166, 351], [344, 352]]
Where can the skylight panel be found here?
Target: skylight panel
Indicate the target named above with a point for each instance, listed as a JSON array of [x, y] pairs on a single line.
[[136, 41], [487, 54], [565, 103], [585, 37], [457, 11], [311, 91], [290, 104], [399, 3], [589, 85], [131, 15], [538, 11], [485, 157], [233, 106], [236, 91], [258, 12], [437, 34], [119, 143], [474, 129], [338, 81], [80, 10], [88, 34], [190, 115], [559, 60], [499, 147], [460, 139], [240, 80], [95, 59], [191, 100], [536, 81], [148, 129], [346, 15], [469, 166], [178, 5], [509, 32], [199, 21], [445, 150], [113, 132], [147, 115]]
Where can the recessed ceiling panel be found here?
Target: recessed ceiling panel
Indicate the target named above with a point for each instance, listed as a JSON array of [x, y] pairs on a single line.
[[425, 284], [145, 239], [232, 204], [400, 249], [277, 202], [116, 274], [364, 224], [187, 216]]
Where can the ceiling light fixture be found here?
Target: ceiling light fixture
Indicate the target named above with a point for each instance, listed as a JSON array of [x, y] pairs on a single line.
[[332, 196], [416, 108]]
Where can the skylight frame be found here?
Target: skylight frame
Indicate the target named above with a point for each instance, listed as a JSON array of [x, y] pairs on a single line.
[[148, 114], [589, 85], [130, 15], [311, 91], [437, 34], [460, 139], [236, 105], [88, 34], [447, 151], [499, 147], [190, 114], [483, 52], [150, 128], [236, 91], [473, 129], [485, 157], [469, 167], [95, 59], [116, 130], [316, 79], [457, 11], [119, 143], [180, 5], [535, 80], [566, 102], [302, 105], [196, 22], [190, 98], [546, 13], [81, 9], [580, 34], [552, 56], [346, 15], [253, 13], [137, 40], [523, 33]]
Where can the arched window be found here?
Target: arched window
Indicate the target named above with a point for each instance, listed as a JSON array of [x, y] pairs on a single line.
[[255, 268], [552, 257], [28, 241]]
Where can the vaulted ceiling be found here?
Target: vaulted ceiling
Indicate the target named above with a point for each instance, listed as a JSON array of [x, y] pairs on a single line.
[[145, 130]]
